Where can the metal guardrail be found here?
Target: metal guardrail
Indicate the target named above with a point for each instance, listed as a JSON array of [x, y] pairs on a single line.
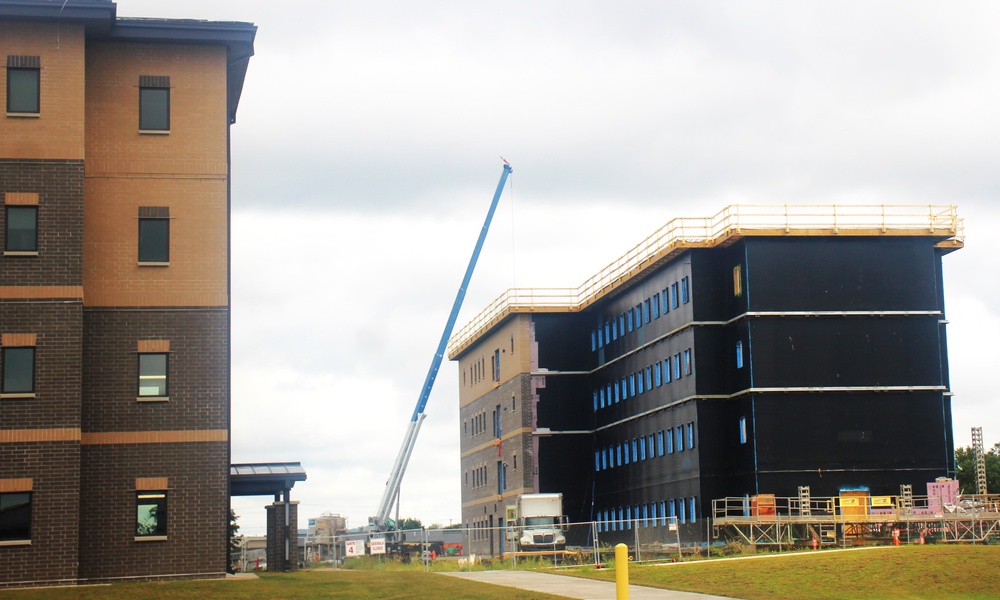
[[727, 225], [847, 509]]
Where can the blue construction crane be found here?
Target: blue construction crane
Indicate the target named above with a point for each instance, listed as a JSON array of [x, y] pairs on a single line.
[[381, 519]]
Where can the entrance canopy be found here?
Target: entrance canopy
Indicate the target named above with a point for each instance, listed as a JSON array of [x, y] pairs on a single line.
[[264, 479]]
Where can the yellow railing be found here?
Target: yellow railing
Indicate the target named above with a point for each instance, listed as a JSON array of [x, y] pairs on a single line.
[[728, 224]]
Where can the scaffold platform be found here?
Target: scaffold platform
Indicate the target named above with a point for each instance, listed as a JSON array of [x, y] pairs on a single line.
[[843, 521]]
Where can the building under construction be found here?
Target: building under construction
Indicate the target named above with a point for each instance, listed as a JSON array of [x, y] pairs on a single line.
[[751, 352]]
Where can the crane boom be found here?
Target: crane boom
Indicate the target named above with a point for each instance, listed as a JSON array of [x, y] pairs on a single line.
[[381, 517]]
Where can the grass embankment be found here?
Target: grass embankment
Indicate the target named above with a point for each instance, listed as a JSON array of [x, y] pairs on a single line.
[[935, 571], [303, 585]]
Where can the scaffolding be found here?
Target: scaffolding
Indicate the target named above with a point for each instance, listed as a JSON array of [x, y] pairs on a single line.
[[844, 521], [977, 447]]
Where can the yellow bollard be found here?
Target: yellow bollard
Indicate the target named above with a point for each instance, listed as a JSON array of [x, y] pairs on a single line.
[[621, 572]]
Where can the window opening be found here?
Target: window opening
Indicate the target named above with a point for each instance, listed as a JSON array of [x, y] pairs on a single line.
[[151, 514], [154, 103], [22, 229], [18, 371], [153, 374]]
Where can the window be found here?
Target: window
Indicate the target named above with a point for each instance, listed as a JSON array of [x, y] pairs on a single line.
[[656, 305], [657, 374], [15, 517], [153, 375], [743, 430], [621, 323], [666, 300], [679, 431], [691, 505], [627, 455], [677, 366], [597, 460], [21, 229], [154, 239], [670, 441], [688, 367], [600, 337], [631, 318], [614, 329], [685, 290], [638, 316], [23, 84], [641, 386], [624, 388], [18, 371], [154, 103], [151, 514], [496, 365], [649, 378], [737, 281], [635, 450], [593, 341], [659, 443], [690, 435], [631, 384], [645, 310], [666, 370], [607, 331], [673, 295], [739, 355], [680, 510]]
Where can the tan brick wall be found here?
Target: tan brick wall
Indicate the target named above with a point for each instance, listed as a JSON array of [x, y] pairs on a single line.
[[58, 131], [198, 224], [513, 340], [196, 144], [184, 171]]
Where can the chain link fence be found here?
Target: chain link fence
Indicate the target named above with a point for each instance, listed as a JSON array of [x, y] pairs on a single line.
[[661, 539]]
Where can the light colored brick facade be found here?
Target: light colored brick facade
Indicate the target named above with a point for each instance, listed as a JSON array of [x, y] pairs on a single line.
[[86, 443]]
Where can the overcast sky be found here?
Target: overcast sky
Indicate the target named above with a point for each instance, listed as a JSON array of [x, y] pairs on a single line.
[[366, 151]]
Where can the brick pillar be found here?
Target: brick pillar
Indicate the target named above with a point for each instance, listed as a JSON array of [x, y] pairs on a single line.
[[276, 532]]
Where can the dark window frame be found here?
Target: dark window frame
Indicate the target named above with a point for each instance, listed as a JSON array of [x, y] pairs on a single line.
[[12, 529], [149, 122], [158, 500], [4, 378], [144, 253], [166, 376], [7, 231], [17, 110]]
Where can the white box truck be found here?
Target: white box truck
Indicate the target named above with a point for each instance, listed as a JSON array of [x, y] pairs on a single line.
[[536, 523]]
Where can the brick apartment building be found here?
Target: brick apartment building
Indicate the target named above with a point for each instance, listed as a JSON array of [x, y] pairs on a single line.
[[751, 352], [114, 292]]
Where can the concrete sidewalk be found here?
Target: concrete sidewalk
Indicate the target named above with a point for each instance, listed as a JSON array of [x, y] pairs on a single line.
[[574, 587]]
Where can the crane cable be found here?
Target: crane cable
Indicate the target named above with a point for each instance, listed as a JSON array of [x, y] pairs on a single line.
[[513, 237]]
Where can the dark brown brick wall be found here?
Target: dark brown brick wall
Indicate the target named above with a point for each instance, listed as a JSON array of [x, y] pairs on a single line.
[[276, 532], [58, 359], [51, 557], [197, 507], [198, 369], [59, 185]]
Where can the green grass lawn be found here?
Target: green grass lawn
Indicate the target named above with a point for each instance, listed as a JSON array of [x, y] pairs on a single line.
[[303, 585], [933, 571]]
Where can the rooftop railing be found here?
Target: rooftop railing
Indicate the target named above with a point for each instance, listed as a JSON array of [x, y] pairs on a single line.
[[721, 229]]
